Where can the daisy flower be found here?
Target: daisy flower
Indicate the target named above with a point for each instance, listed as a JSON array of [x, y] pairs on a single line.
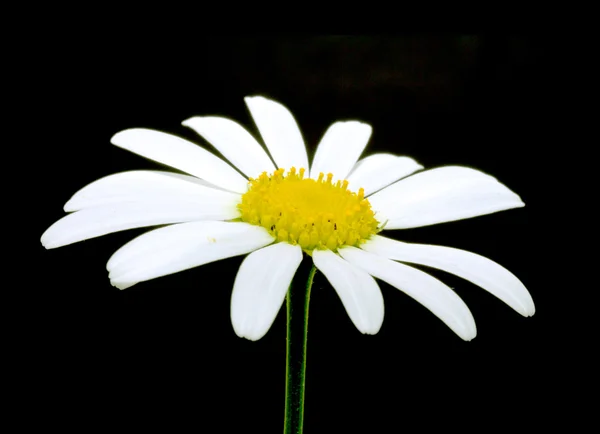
[[276, 206]]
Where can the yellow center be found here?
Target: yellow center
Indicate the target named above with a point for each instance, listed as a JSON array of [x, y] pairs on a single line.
[[312, 213]]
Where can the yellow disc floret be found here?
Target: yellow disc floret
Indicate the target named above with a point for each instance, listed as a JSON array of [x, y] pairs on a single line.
[[312, 213]]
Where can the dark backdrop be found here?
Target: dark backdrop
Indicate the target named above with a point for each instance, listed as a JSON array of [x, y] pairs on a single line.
[[164, 350]]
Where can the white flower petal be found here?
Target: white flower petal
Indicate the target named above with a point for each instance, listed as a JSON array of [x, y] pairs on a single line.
[[182, 155], [279, 131], [475, 268], [124, 285], [358, 291], [427, 290], [106, 219], [234, 142], [340, 148], [260, 288], [180, 247], [145, 186], [380, 170], [441, 195]]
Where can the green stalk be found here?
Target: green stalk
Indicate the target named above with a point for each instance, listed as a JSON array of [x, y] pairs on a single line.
[[297, 302]]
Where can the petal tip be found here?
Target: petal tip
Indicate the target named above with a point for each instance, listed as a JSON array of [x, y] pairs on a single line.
[[49, 241], [249, 98], [122, 285], [373, 328], [116, 139], [46, 244], [529, 311], [190, 121], [468, 332], [371, 331], [249, 334], [360, 124], [70, 206], [524, 306]]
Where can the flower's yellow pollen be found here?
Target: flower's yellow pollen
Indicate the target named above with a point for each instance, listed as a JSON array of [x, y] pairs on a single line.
[[317, 213]]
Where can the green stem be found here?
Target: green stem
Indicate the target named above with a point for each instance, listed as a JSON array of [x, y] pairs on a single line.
[[297, 302]]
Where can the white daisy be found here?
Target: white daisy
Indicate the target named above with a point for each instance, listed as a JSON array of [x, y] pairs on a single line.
[[333, 210]]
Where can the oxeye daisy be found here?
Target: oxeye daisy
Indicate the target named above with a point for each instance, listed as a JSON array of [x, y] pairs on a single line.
[[277, 209]]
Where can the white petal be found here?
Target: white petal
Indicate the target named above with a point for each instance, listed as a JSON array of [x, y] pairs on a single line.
[[279, 131], [124, 285], [182, 155], [106, 219], [180, 247], [427, 290], [234, 142], [380, 170], [475, 268], [260, 288], [441, 195], [145, 186], [358, 291], [340, 148]]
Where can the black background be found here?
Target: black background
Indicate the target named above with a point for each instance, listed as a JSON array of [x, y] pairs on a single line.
[[165, 351]]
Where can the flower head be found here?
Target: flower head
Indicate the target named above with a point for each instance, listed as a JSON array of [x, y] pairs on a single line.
[[333, 210], [308, 212]]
